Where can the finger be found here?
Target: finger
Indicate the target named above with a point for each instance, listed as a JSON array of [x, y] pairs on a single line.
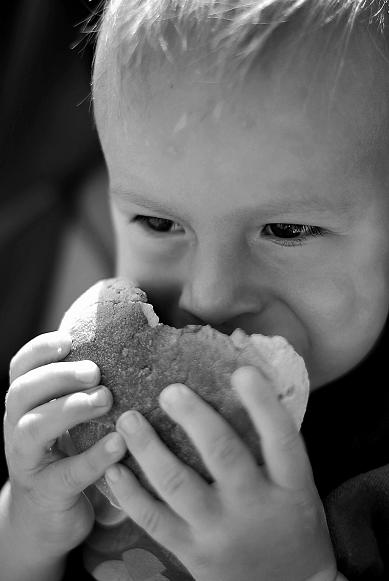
[[41, 350], [282, 446], [176, 483], [37, 430], [47, 382], [157, 519], [69, 476], [223, 452]]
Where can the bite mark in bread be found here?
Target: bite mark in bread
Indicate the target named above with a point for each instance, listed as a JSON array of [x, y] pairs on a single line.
[[113, 325]]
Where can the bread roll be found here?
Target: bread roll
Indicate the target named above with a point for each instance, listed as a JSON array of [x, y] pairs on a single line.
[[113, 325]]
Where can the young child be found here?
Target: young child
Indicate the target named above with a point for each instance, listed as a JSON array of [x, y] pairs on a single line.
[[247, 146]]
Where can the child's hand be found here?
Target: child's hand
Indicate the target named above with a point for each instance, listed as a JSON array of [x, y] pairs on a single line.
[[46, 505], [255, 522]]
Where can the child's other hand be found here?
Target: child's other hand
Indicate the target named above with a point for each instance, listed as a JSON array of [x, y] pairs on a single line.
[[255, 522], [47, 397]]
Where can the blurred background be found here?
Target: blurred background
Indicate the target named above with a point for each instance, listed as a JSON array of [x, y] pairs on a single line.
[[55, 231]]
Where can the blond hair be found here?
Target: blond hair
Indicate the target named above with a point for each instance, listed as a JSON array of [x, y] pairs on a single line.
[[232, 33]]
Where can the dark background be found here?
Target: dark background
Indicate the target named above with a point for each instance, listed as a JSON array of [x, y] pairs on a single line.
[[48, 148]]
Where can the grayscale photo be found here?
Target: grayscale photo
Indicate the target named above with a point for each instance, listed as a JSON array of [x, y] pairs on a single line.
[[194, 248]]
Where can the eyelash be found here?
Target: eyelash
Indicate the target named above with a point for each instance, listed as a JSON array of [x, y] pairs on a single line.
[[305, 230], [146, 222]]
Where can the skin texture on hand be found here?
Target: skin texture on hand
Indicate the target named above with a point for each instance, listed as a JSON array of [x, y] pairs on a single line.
[[253, 522], [46, 504], [249, 522]]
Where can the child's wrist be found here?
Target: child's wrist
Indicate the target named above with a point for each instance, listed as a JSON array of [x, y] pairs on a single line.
[[19, 558], [20, 537]]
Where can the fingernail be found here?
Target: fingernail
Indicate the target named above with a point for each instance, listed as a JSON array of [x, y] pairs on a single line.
[[246, 375], [86, 371], [63, 344], [99, 396], [129, 422], [174, 393], [114, 444], [61, 350], [113, 473]]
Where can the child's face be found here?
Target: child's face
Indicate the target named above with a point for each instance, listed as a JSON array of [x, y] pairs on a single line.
[[265, 208]]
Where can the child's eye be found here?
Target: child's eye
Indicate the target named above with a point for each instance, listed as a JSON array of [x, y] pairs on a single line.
[[291, 234], [158, 225]]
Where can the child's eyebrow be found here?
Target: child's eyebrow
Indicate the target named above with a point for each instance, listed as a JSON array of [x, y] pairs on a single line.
[[140, 200], [313, 205]]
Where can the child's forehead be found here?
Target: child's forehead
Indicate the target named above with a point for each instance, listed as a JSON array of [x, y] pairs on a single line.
[[338, 96], [318, 80], [286, 128]]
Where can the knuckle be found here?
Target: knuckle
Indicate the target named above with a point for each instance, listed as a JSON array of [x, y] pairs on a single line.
[[40, 350], [40, 343], [173, 480], [10, 398], [150, 520], [202, 560], [30, 428], [13, 448], [225, 448], [93, 463], [71, 479], [13, 367], [143, 441], [288, 439], [14, 391]]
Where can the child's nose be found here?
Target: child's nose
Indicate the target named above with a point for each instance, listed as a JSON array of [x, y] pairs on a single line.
[[217, 289]]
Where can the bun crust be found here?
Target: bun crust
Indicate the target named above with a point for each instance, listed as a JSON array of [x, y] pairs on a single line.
[[113, 325]]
